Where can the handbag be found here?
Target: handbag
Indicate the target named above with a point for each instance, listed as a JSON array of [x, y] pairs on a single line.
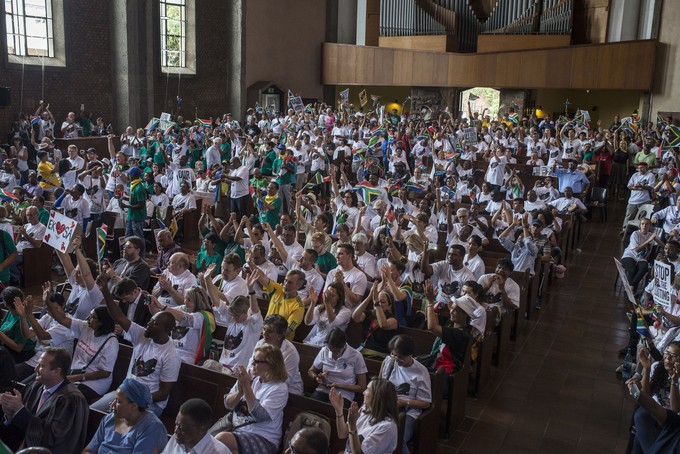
[[83, 369]]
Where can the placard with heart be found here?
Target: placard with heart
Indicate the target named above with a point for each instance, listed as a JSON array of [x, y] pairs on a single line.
[[60, 232]]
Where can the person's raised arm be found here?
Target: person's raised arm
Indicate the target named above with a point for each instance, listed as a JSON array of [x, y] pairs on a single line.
[[276, 241], [652, 407], [112, 149], [20, 308], [114, 310], [425, 266], [358, 315], [84, 268]]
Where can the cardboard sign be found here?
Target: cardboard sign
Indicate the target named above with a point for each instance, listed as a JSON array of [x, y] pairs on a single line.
[[165, 116], [624, 282], [60, 232], [470, 136], [662, 284], [363, 98], [297, 104]]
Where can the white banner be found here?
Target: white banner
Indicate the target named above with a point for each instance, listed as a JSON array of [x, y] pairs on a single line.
[[470, 136], [662, 284]]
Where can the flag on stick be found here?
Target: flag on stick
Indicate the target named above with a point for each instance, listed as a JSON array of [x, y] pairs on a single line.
[[473, 97], [101, 242], [344, 95]]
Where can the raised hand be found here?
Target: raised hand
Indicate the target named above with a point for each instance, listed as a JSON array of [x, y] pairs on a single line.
[[336, 400]]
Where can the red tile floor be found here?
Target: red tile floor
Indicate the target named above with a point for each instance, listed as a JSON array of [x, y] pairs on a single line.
[[557, 390]]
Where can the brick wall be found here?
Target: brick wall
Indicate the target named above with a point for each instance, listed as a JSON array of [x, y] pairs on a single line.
[[207, 89], [85, 80]]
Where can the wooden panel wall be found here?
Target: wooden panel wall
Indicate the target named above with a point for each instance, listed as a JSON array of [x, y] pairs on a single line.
[[590, 21], [502, 43], [434, 43], [595, 66]]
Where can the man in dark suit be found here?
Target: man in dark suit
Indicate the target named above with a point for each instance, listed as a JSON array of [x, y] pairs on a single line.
[[51, 412], [133, 302]]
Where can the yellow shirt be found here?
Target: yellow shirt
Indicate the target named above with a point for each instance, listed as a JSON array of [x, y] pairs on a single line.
[[292, 309], [50, 180]]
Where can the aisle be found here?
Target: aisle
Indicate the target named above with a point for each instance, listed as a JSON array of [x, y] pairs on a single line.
[[557, 391]]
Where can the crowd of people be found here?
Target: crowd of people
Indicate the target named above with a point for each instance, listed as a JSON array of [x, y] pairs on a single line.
[[326, 219]]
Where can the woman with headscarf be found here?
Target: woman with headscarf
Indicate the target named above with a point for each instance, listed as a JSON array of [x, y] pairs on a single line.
[[130, 427]]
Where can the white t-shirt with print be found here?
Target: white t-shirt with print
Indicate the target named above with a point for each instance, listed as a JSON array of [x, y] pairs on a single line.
[[87, 347], [81, 301], [291, 359], [60, 338], [317, 336], [342, 370], [379, 438], [240, 339], [152, 363], [354, 279], [412, 382], [186, 335]]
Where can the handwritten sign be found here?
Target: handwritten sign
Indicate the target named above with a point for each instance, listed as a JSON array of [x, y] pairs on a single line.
[[60, 232], [297, 104], [165, 116], [470, 136], [662, 284]]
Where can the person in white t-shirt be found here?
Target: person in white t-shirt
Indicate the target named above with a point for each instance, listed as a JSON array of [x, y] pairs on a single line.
[[274, 331], [448, 275], [502, 292], [496, 171], [96, 351], [155, 361], [412, 380], [175, 280], [195, 418], [371, 429], [338, 366], [193, 320], [349, 275], [226, 286], [256, 402], [329, 314], [85, 295], [240, 192]]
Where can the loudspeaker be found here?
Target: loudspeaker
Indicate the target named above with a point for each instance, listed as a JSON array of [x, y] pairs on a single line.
[[5, 96]]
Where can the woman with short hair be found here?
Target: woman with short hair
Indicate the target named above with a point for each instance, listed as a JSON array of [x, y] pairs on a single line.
[[256, 402]]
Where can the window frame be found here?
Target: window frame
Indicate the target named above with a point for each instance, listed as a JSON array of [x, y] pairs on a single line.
[[54, 23], [187, 25]]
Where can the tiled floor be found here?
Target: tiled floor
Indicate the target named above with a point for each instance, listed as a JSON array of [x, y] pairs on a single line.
[[556, 391]]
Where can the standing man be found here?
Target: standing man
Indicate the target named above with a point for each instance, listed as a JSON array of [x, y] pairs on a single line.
[[240, 192], [573, 178], [641, 185], [136, 215], [51, 412]]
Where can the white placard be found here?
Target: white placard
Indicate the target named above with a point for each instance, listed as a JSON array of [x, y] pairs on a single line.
[[624, 282], [165, 116], [60, 232], [297, 104], [470, 136], [662, 284]]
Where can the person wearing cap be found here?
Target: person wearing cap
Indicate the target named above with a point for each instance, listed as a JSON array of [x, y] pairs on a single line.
[[641, 185], [467, 318], [130, 427], [136, 215]]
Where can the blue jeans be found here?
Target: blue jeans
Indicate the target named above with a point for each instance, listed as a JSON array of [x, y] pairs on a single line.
[[409, 429], [134, 228]]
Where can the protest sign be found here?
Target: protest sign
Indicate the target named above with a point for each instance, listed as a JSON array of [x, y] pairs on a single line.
[[624, 282], [470, 136], [165, 116], [296, 104], [662, 284], [60, 232]]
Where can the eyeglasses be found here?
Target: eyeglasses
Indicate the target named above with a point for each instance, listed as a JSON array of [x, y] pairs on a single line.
[[672, 356]]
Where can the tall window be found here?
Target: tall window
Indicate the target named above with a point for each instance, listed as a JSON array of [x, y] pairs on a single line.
[[173, 33], [178, 36], [29, 28], [35, 32]]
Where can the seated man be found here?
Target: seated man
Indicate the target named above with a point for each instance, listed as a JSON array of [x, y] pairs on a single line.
[[30, 235], [166, 248], [348, 274], [193, 421], [502, 292], [569, 203], [183, 203], [50, 412], [154, 362], [175, 280], [284, 299], [131, 265], [133, 301]]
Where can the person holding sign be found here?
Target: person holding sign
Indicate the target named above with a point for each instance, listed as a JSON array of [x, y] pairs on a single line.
[[634, 259]]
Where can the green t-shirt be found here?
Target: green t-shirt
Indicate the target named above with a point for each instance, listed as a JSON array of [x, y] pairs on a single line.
[[220, 246], [225, 151], [326, 262], [44, 216], [261, 183], [272, 217], [11, 326], [8, 248], [289, 176], [137, 196], [268, 163], [203, 260]]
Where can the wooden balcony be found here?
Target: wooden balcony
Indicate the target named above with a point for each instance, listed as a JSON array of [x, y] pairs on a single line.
[[611, 66]]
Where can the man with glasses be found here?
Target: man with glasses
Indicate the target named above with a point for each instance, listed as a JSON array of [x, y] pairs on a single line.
[[191, 431], [132, 265]]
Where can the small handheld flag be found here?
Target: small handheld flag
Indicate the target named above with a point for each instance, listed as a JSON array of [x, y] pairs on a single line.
[[101, 241]]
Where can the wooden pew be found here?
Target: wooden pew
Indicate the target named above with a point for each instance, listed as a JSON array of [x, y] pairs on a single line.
[[37, 265], [485, 350]]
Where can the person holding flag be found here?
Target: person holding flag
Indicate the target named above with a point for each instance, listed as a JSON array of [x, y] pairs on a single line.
[[136, 215]]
